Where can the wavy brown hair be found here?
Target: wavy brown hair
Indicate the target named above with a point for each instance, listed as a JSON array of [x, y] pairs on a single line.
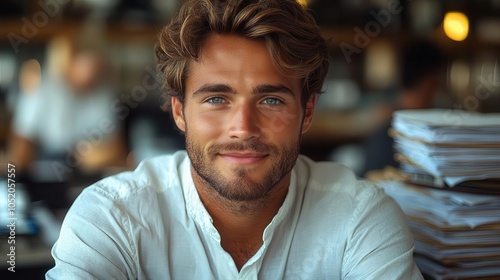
[[290, 33]]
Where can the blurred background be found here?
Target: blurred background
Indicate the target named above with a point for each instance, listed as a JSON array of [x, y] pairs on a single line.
[[80, 100]]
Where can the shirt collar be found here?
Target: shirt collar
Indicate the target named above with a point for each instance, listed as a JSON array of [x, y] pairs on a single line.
[[200, 215]]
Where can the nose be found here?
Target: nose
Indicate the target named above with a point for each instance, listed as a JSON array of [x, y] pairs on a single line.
[[244, 123]]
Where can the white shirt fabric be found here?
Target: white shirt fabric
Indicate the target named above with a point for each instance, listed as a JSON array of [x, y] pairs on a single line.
[[151, 224]]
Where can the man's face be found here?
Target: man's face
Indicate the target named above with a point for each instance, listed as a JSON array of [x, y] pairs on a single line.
[[242, 118]]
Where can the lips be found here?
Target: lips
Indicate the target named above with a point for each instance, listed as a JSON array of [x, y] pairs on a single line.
[[243, 157]]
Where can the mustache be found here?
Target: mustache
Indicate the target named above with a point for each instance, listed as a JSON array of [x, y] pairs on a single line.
[[249, 145]]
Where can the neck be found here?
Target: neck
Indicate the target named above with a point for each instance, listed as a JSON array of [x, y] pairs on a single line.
[[241, 224]]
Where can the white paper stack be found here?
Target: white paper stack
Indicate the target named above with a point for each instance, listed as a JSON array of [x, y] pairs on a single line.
[[457, 235], [451, 190], [450, 145]]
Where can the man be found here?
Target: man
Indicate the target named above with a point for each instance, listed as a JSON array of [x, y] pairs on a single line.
[[420, 84], [57, 109], [243, 77]]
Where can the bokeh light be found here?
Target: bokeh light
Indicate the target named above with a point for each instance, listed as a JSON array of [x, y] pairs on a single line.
[[303, 3], [456, 26]]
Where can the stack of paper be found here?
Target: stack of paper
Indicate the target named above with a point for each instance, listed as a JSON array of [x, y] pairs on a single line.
[[451, 146], [450, 191], [457, 235]]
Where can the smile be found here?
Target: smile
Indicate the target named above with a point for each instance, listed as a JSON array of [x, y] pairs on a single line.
[[243, 157]]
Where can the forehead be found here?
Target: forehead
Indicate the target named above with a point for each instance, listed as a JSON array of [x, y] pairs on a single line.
[[229, 43], [236, 60]]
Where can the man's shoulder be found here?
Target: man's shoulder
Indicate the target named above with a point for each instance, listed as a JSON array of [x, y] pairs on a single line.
[[156, 174], [331, 177]]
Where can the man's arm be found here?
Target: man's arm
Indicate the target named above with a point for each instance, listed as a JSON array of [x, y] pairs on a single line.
[[95, 241], [380, 244], [21, 152]]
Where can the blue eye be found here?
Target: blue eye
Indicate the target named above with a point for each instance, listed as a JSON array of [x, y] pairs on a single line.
[[272, 101], [215, 100]]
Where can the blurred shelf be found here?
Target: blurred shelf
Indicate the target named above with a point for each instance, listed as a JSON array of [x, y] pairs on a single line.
[[122, 32], [338, 35], [147, 32]]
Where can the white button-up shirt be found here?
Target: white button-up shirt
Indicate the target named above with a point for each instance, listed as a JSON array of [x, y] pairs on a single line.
[[151, 224]]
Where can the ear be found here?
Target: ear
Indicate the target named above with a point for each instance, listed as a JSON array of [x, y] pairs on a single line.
[[309, 112], [178, 113]]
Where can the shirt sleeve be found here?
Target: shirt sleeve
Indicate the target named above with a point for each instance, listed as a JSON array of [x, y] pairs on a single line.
[[380, 245], [95, 241]]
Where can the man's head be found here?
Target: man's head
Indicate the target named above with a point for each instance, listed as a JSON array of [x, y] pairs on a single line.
[[421, 67], [289, 32], [243, 77], [85, 71]]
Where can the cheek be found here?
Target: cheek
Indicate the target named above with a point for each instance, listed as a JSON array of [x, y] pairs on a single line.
[[283, 124], [204, 125]]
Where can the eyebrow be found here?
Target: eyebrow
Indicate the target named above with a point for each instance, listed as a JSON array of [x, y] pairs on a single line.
[[278, 88], [213, 88], [261, 89]]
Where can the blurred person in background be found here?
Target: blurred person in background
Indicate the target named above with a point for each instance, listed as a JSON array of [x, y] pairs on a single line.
[[421, 82], [64, 115]]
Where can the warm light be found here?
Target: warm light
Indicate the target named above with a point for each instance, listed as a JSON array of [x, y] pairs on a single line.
[[456, 26], [303, 3]]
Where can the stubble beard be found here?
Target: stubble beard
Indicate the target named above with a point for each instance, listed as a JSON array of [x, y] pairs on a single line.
[[241, 187]]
